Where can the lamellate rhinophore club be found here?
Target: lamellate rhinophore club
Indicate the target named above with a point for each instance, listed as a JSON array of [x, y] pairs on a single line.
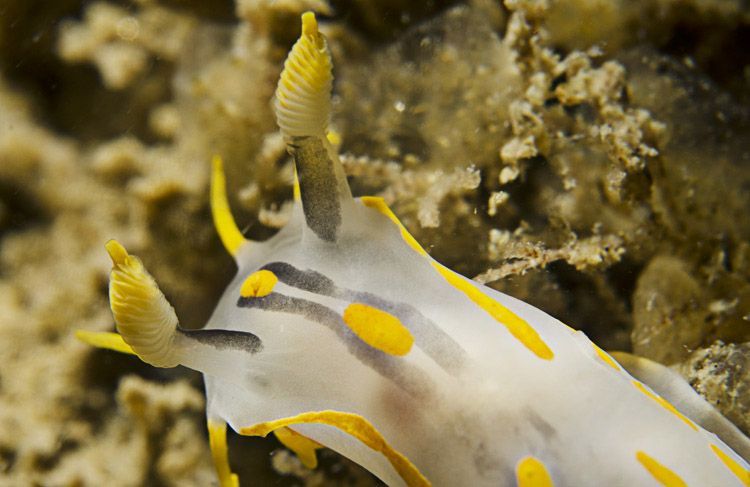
[[342, 332]]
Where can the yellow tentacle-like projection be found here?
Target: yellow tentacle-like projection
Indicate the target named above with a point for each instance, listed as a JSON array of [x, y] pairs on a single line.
[[229, 233]]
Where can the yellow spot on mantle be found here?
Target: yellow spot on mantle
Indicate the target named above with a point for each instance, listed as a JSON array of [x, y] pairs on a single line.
[[662, 474], [301, 445], [531, 472], [217, 439], [258, 284], [663, 403], [356, 426], [732, 465], [378, 329]]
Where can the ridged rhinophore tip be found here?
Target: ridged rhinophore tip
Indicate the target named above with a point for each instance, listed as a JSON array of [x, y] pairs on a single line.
[[303, 95], [309, 24], [116, 252]]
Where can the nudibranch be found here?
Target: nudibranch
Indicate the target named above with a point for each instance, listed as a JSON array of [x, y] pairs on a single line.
[[341, 331]]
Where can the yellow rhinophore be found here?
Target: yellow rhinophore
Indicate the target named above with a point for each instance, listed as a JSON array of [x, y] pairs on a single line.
[[303, 95], [144, 317]]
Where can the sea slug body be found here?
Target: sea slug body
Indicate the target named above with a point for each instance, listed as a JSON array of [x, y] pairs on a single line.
[[341, 331]]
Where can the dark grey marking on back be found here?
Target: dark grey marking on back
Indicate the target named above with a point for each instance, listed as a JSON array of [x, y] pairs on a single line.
[[437, 344], [410, 378], [545, 429], [310, 281], [225, 339], [319, 188]]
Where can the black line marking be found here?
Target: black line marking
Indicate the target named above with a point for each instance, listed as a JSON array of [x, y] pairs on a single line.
[[225, 339], [410, 378], [310, 281], [437, 344], [318, 186]]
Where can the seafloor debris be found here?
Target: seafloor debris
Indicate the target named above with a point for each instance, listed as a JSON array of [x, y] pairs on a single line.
[[721, 374], [600, 173]]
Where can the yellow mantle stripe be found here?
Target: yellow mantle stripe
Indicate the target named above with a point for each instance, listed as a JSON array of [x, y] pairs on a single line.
[[517, 327], [217, 439], [354, 425], [230, 235], [606, 358], [378, 203], [663, 403], [662, 474], [732, 465], [104, 339]]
